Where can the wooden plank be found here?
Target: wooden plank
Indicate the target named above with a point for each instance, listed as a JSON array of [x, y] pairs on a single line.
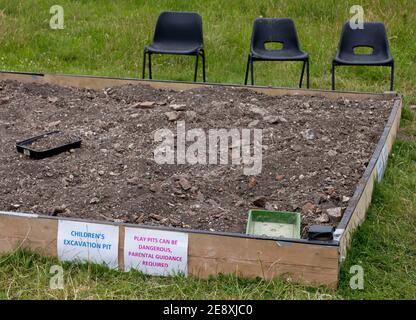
[[362, 198], [39, 235], [310, 264], [122, 230], [99, 83]]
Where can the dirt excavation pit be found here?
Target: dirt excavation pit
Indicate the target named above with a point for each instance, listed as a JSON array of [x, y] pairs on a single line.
[[313, 152]]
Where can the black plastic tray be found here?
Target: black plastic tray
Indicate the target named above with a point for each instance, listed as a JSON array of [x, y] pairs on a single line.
[[24, 147]]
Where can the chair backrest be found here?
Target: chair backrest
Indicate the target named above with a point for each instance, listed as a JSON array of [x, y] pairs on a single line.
[[179, 27], [373, 35], [274, 30]]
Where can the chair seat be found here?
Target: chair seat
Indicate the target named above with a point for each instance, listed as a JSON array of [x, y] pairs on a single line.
[[363, 59], [282, 55], [174, 48]]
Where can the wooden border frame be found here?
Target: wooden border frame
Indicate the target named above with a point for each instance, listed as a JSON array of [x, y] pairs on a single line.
[[211, 253]]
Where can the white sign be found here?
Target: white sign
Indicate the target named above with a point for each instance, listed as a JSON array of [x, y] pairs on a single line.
[[156, 252], [81, 241], [382, 163]]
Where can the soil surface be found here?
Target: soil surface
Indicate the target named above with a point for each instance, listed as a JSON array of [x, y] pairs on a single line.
[[314, 151], [53, 140]]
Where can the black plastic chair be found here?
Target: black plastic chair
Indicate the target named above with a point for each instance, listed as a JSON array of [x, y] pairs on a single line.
[[373, 36], [177, 33], [276, 30]]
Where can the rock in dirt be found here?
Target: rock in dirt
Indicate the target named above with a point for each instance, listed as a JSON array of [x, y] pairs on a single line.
[[184, 183], [323, 218], [178, 107], [258, 111], [308, 134], [154, 187], [155, 216], [252, 182], [345, 199], [133, 181], [144, 105], [274, 119], [239, 203], [296, 148], [332, 153], [253, 123], [52, 99], [54, 123], [4, 100], [94, 200], [58, 209], [190, 115], [334, 214], [172, 116], [218, 104], [280, 177], [308, 208], [260, 201]]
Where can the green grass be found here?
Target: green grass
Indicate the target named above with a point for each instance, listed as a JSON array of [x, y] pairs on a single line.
[[107, 38]]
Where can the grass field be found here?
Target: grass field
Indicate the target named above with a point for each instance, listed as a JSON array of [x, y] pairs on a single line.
[[107, 38]]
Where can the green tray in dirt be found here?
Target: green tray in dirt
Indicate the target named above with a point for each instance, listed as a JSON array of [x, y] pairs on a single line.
[[274, 223]]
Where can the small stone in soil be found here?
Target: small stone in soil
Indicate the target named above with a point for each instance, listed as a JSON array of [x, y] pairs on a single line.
[[308, 134], [296, 148], [334, 213], [191, 115], [345, 199], [308, 208], [322, 218], [274, 119], [133, 181], [252, 182], [185, 184], [257, 110], [94, 200], [172, 116], [155, 217], [253, 123], [144, 104], [4, 100], [58, 209], [178, 107], [280, 177]]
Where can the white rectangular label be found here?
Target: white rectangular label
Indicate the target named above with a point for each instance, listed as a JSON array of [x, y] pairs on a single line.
[[382, 163], [156, 252], [81, 241]]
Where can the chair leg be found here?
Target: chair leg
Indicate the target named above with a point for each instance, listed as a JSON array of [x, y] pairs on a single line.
[[252, 70], [301, 74], [203, 66], [150, 66], [392, 77], [333, 76], [307, 74], [196, 67], [248, 66], [144, 65]]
